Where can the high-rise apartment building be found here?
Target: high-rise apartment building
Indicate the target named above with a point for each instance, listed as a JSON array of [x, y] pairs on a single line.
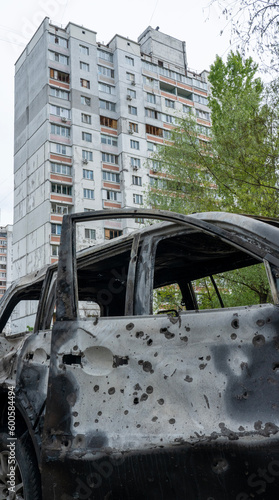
[[88, 117], [6, 241]]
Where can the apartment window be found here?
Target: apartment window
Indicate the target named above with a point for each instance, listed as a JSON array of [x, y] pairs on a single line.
[[204, 130], [167, 118], [151, 146], [85, 83], [107, 56], [89, 194], [109, 140], [199, 84], [152, 113], [84, 66], [59, 130], [155, 165], [59, 209], [54, 56], [187, 109], [86, 137], [108, 89], [132, 93], [61, 189], [138, 199], [86, 118], [88, 174], [56, 229], [130, 77], [3, 243], [58, 40], [112, 195], [169, 103], [129, 60], [85, 100], [151, 82], [167, 134], [3, 275], [154, 130], [61, 94], [59, 168], [58, 111], [87, 155], [134, 144], [112, 233], [90, 234], [200, 99], [135, 162], [151, 98], [111, 176], [109, 158], [133, 127], [202, 114], [108, 72], [59, 75], [107, 105], [54, 250], [136, 180], [84, 50], [61, 149], [149, 66], [132, 110], [108, 122]]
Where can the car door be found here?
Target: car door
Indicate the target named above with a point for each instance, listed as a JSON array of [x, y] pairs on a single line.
[[161, 405]]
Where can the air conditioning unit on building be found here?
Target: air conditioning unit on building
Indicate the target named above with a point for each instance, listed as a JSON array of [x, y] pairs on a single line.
[[85, 161], [130, 131], [133, 82], [135, 168], [63, 119], [129, 98]]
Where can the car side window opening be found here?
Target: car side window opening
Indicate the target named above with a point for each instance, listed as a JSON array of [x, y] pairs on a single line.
[[102, 284], [200, 269], [186, 270], [197, 271]]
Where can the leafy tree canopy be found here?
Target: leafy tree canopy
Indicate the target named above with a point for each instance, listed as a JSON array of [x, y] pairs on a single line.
[[234, 170]]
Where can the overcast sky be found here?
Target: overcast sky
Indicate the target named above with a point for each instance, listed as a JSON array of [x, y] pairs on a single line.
[[192, 21]]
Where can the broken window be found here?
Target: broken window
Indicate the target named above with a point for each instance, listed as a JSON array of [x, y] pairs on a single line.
[[198, 271]]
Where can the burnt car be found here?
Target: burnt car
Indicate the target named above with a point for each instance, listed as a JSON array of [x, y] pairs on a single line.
[[118, 396]]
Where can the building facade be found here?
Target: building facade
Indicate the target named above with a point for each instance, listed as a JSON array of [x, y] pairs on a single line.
[[88, 117], [6, 258]]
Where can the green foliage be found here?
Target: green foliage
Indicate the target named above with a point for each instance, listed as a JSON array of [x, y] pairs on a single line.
[[240, 287], [184, 184], [167, 298], [236, 169]]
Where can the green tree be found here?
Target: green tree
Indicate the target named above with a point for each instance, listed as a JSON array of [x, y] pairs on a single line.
[[234, 170]]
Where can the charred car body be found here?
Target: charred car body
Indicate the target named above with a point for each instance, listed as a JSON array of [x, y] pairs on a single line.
[[126, 403]]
